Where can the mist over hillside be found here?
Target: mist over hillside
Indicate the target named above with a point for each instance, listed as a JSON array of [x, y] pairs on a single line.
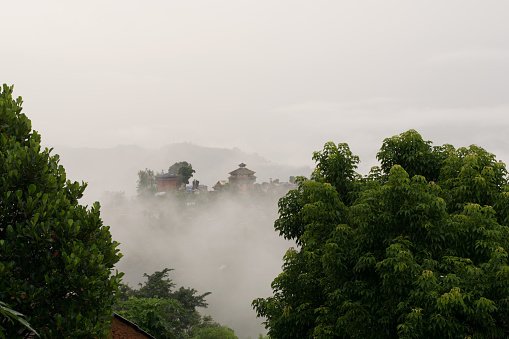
[[115, 169], [221, 243]]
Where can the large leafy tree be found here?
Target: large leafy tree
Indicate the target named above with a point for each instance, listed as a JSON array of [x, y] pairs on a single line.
[[56, 256], [417, 249], [146, 183], [183, 169], [163, 311], [209, 329]]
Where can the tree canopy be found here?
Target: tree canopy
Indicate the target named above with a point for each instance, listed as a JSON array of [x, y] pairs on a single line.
[[209, 329], [10, 317], [159, 309], [56, 256], [416, 249], [146, 183], [183, 169]]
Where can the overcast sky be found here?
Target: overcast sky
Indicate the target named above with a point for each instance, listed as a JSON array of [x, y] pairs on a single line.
[[276, 77]]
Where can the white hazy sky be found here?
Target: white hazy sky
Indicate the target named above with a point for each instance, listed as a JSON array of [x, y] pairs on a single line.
[[277, 77]]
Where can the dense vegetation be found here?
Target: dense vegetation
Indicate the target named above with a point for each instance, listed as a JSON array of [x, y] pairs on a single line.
[[56, 256], [12, 318], [183, 170], [417, 249], [169, 313], [146, 185]]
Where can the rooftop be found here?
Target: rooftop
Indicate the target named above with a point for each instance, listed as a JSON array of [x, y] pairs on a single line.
[[166, 176], [242, 170]]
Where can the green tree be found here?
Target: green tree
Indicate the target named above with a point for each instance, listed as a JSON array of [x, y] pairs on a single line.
[[146, 183], [417, 249], [158, 285], [214, 332], [419, 157], [159, 316], [183, 169], [158, 309], [11, 318], [209, 329], [56, 256]]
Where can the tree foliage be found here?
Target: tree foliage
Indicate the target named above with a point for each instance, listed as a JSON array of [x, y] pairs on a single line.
[[160, 310], [208, 329], [11, 318], [146, 183], [162, 317], [183, 169], [56, 256], [417, 249]]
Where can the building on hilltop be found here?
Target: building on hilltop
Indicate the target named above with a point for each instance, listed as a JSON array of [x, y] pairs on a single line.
[[168, 182], [220, 185], [242, 179]]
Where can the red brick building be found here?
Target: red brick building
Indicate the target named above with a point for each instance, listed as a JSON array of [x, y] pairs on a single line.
[[121, 328], [168, 182]]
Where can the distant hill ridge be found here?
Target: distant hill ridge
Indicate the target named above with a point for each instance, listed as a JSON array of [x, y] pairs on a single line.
[[116, 168]]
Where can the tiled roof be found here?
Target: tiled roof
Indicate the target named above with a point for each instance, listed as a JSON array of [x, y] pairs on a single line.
[[132, 325], [166, 176], [242, 170]]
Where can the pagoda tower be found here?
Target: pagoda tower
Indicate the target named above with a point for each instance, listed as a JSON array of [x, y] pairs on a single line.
[[242, 178]]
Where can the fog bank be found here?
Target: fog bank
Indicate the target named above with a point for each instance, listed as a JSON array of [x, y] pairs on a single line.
[[221, 243]]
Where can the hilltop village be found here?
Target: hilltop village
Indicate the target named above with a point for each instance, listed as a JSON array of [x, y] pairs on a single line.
[[242, 180]]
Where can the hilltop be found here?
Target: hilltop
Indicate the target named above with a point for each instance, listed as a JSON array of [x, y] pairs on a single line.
[[116, 168]]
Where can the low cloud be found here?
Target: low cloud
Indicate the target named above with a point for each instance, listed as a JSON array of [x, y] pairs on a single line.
[[224, 244]]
